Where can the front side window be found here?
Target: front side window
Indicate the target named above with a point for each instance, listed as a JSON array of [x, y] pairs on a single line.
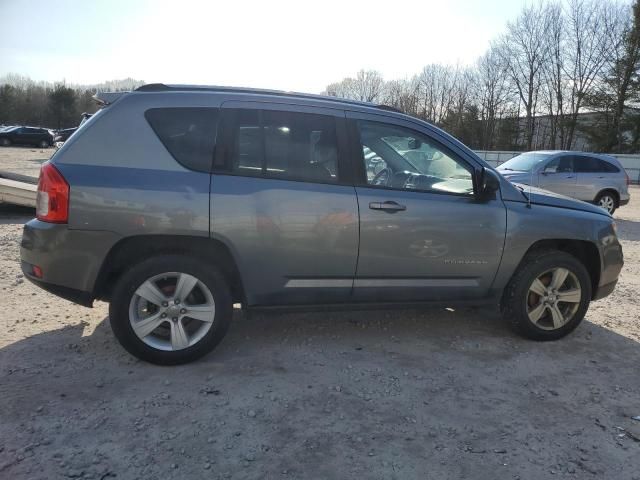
[[188, 133], [285, 145], [559, 165], [397, 157]]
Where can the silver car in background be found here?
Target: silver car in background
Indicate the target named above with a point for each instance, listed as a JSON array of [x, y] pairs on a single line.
[[591, 177]]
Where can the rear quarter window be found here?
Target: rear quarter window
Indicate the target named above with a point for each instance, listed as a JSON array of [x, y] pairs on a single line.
[[608, 167], [189, 134]]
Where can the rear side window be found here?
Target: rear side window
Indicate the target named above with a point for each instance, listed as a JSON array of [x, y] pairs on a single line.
[[188, 133], [592, 165], [284, 145], [608, 167]]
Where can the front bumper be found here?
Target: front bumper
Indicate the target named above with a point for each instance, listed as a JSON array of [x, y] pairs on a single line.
[[604, 290], [69, 260], [611, 261]]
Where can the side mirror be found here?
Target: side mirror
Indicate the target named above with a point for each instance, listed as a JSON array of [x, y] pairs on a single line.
[[489, 184]]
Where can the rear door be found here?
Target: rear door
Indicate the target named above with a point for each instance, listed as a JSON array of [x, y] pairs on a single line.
[[282, 199], [558, 175], [423, 234], [593, 176]]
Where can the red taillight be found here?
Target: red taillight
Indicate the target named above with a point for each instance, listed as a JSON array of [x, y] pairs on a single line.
[[37, 271], [52, 201]]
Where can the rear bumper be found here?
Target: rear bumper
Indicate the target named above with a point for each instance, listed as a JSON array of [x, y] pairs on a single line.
[[69, 260], [624, 200], [76, 296]]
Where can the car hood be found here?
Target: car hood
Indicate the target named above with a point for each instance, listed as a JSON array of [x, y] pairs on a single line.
[[515, 175], [544, 197]]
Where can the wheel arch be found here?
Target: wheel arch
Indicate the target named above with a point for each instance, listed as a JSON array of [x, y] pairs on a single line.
[[585, 251], [616, 195], [133, 250]]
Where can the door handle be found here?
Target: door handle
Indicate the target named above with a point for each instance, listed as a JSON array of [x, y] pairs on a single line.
[[388, 206]]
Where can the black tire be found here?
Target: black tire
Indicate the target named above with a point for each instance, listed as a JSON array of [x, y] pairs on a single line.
[[514, 300], [5, 142], [612, 195], [138, 274], [44, 144]]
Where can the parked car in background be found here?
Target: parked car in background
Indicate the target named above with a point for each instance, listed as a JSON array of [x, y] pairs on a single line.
[[39, 137], [174, 203], [591, 177]]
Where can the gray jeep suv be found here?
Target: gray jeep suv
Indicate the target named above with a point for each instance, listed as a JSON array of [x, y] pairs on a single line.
[[175, 202]]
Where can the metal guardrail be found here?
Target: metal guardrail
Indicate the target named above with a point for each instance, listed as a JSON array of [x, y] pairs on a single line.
[[630, 162]]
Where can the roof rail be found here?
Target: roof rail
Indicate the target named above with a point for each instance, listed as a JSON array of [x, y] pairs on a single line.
[[161, 87]]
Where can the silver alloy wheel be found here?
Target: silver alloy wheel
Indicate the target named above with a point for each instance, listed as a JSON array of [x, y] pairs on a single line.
[[607, 202], [172, 311], [44, 144], [553, 298]]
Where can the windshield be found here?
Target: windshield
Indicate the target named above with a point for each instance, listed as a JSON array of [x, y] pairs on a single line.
[[524, 162]]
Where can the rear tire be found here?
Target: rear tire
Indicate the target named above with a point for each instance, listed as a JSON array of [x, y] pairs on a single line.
[[607, 200], [5, 142], [43, 144], [126, 294], [557, 313]]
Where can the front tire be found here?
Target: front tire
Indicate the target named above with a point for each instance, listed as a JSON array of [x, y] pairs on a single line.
[[43, 144], [548, 296], [5, 142], [170, 309]]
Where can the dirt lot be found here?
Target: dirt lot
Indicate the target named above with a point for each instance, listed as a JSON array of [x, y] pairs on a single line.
[[379, 394], [24, 160]]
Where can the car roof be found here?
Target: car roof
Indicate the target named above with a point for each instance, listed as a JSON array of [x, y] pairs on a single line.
[[161, 87]]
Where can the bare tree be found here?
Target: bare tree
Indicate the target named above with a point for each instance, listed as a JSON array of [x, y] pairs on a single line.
[[436, 84], [524, 49], [368, 86], [587, 43], [492, 94], [554, 79], [403, 95]]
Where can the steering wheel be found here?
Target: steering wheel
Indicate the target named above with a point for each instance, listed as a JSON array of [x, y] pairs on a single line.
[[382, 177]]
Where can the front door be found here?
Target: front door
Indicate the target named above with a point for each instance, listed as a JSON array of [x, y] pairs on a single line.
[[423, 233], [558, 176]]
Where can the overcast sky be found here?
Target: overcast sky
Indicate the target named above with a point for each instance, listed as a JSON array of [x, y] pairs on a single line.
[[298, 45]]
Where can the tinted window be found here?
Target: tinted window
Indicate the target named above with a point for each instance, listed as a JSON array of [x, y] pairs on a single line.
[[397, 157], [586, 164], [287, 145], [608, 167], [188, 133]]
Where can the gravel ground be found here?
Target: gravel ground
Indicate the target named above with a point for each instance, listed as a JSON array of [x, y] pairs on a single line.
[[379, 394], [24, 160]]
